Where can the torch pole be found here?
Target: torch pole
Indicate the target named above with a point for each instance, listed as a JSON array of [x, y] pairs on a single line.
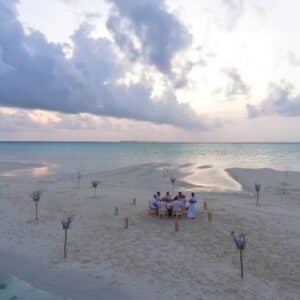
[[65, 245], [36, 212], [242, 264]]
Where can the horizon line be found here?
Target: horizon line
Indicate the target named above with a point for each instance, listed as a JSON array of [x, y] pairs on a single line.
[[154, 141]]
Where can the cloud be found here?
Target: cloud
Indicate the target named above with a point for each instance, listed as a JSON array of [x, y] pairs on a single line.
[[12, 122], [235, 9], [281, 101], [252, 111], [19, 120], [293, 59], [180, 78], [40, 125], [4, 68], [145, 29], [35, 74], [237, 86]]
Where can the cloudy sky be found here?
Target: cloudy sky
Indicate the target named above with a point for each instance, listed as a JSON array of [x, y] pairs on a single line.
[[167, 70]]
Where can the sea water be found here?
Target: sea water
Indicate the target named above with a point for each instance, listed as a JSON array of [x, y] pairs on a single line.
[[12, 288], [204, 162]]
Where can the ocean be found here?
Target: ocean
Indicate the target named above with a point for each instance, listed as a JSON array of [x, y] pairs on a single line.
[[205, 163], [12, 288]]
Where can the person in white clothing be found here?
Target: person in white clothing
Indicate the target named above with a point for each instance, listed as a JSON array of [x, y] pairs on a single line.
[[177, 205], [162, 208], [158, 197], [168, 197], [154, 203], [192, 207]]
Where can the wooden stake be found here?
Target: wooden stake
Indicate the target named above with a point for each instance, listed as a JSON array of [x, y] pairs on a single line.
[[176, 225], [126, 223], [205, 205], [36, 212], [242, 264], [116, 211], [65, 244], [209, 217]]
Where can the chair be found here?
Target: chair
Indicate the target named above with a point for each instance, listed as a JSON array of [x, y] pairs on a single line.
[[177, 210], [151, 211], [185, 212], [162, 209]]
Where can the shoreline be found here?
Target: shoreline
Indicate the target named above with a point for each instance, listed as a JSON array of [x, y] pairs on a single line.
[[59, 283], [6, 166]]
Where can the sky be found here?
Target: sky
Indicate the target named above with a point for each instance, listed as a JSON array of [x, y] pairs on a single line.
[[158, 70]]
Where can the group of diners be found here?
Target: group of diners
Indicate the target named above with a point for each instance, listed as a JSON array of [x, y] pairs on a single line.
[[174, 206]]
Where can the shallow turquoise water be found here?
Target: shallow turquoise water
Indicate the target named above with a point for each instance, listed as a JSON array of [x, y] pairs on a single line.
[[66, 158], [12, 288], [109, 155]]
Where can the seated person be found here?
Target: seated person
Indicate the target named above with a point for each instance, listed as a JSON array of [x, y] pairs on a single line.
[[158, 196], [177, 205], [154, 202], [162, 208], [168, 197], [180, 197], [184, 202]]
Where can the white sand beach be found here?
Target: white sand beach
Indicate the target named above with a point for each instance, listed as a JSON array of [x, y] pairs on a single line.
[[149, 260]]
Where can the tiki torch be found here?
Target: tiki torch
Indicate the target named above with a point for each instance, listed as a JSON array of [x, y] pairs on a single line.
[[240, 242]]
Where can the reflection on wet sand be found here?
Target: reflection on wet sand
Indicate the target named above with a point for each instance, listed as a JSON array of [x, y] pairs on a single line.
[[42, 170], [212, 179]]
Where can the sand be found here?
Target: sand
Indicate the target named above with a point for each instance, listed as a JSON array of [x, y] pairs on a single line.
[[150, 260]]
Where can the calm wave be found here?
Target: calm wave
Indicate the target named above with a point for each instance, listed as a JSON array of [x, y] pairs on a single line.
[[12, 288], [204, 161]]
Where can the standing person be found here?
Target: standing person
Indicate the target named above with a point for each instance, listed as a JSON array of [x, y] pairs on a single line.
[[192, 207]]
